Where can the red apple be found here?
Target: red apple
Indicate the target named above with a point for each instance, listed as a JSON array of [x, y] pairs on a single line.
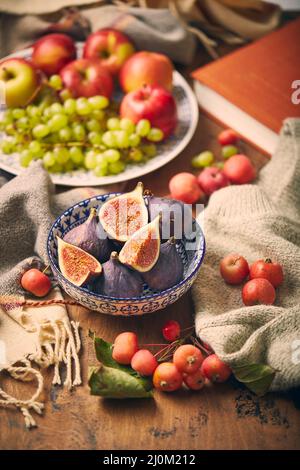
[[153, 103], [111, 47], [146, 68], [211, 179], [239, 169], [52, 52], [21, 81], [87, 77]]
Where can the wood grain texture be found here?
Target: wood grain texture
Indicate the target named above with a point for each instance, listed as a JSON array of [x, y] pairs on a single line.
[[219, 417]]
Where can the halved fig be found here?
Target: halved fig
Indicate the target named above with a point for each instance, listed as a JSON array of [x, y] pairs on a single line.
[[75, 264], [90, 237], [141, 251], [123, 215]]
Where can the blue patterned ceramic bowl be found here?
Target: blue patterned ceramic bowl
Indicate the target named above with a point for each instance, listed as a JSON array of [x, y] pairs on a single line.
[[150, 301]]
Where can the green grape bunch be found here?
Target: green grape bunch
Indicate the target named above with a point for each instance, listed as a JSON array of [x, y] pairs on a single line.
[[70, 133]]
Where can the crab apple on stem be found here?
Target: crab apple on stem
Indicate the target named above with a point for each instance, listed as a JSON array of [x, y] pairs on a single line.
[[188, 358], [167, 377], [194, 381], [144, 362], [215, 370], [171, 330], [125, 347]]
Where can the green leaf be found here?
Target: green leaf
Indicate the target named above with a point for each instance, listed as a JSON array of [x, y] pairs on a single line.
[[103, 351], [130, 383], [257, 377], [114, 383]]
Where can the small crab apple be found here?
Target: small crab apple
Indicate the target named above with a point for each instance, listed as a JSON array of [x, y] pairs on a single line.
[[167, 377], [239, 169], [227, 137], [184, 187], [36, 282], [214, 369], [144, 362], [171, 330], [187, 358], [234, 268], [211, 179], [125, 347], [267, 269], [258, 291], [194, 381]]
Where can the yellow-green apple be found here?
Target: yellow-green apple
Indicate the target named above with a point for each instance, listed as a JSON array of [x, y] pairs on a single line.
[[154, 103], [52, 52], [211, 179], [111, 47], [87, 77], [146, 68], [21, 81]]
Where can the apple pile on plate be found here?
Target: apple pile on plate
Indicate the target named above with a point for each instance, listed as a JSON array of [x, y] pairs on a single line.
[[60, 108]]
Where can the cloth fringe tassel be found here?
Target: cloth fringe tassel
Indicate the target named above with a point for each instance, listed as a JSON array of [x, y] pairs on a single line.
[[63, 348]]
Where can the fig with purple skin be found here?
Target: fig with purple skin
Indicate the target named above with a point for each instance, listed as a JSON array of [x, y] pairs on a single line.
[[117, 280], [90, 237], [168, 270], [75, 264], [176, 217]]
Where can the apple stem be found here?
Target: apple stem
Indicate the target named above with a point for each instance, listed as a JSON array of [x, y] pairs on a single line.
[[46, 268], [200, 346]]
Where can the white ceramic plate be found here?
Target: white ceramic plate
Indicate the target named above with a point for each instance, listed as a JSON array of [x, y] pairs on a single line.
[[187, 109]]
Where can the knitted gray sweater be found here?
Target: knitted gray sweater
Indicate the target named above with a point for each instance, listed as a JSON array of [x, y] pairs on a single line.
[[256, 221]]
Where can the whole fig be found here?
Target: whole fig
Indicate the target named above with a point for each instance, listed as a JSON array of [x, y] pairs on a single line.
[[168, 270], [90, 237], [117, 280], [176, 216]]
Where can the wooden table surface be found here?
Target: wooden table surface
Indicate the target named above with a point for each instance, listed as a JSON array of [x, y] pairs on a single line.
[[223, 416]]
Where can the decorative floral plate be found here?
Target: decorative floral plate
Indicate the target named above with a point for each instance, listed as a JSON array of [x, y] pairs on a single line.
[[191, 249], [187, 109]]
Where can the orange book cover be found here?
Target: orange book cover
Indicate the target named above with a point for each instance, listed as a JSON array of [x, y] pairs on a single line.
[[258, 77]]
